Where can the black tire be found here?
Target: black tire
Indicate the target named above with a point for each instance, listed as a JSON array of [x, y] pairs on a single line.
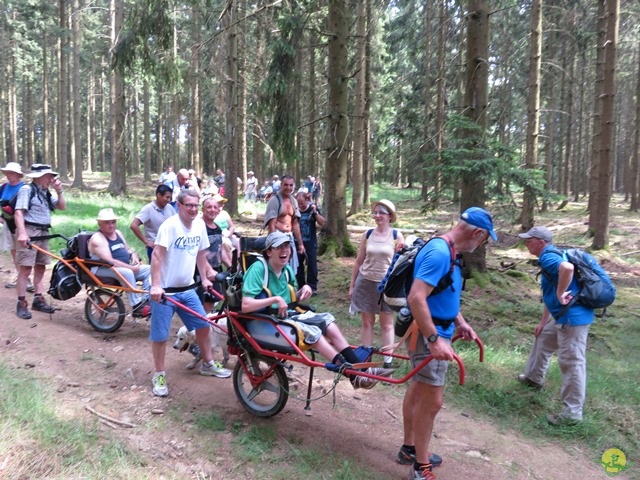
[[104, 310], [268, 398]]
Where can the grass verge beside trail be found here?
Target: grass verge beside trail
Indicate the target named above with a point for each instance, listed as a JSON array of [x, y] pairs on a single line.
[[37, 439]]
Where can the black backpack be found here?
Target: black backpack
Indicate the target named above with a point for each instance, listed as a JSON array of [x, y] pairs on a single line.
[[65, 283], [396, 284]]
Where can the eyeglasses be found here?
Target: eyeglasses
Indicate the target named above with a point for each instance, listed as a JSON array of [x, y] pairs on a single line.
[[284, 246], [190, 205], [378, 214], [486, 239]]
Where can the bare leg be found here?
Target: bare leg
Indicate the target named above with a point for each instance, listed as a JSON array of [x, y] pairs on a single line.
[[38, 275], [158, 349], [388, 335], [203, 339], [421, 404], [366, 331]]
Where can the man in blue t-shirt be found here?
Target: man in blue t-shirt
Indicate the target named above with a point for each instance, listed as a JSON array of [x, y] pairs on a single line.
[[437, 315], [560, 329]]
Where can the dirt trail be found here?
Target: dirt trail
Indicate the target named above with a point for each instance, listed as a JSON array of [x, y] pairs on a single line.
[[111, 373]]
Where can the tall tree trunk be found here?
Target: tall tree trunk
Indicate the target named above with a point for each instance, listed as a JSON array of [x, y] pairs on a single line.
[[231, 114], [313, 112], [360, 105], [146, 129], [118, 185], [634, 182], [533, 111], [596, 134], [440, 102], [477, 77], [337, 125], [196, 141], [241, 88], [366, 149], [77, 125], [63, 103], [160, 133], [426, 145], [607, 129], [91, 124], [13, 111]]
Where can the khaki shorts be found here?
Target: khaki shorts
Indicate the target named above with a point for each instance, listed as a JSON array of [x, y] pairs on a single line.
[[28, 257], [8, 239], [434, 372]]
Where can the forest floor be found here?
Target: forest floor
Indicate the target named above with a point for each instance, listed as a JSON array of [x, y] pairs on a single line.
[[111, 374]]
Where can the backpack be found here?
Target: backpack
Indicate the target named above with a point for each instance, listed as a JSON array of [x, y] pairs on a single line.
[[9, 207], [595, 288], [64, 282], [396, 284]]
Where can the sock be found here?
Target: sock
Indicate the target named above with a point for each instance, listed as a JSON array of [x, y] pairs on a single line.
[[157, 374], [350, 356], [338, 359], [419, 466], [22, 299], [409, 448]]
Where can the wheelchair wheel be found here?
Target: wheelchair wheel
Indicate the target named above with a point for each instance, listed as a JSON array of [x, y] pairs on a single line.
[[270, 396], [104, 310]]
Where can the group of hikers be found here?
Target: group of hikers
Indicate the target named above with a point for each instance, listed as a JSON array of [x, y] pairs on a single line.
[[185, 227]]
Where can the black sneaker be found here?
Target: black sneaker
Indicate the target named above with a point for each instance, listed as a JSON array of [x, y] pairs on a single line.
[[406, 457], [41, 306], [22, 310], [523, 379]]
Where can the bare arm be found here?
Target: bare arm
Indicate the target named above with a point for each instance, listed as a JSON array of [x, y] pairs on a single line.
[[254, 304], [565, 275], [203, 266], [157, 257], [417, 301], [362, 251], [135, 228]]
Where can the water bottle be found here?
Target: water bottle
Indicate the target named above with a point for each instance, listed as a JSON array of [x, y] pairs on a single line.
[[403, 321]]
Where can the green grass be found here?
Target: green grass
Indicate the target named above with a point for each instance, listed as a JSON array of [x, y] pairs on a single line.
[[47, 445]]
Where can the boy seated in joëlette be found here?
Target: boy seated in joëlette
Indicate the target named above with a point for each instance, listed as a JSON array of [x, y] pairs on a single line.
[[332, 345]]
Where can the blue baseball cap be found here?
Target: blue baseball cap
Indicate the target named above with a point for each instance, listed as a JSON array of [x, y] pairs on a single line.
[[479, 217]]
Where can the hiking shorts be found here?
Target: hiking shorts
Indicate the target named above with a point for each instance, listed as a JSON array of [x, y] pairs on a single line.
[[162, 313], [28, 257], [434, 372]]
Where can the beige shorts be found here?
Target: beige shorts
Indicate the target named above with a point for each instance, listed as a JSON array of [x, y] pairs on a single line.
[[434, 372], [28, 257], [7, 239]]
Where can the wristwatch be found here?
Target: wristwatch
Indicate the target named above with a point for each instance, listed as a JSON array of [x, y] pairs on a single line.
[[433, 338]]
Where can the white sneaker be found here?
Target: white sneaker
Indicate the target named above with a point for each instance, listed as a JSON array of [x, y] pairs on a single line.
[[215, 369], [160, 388]]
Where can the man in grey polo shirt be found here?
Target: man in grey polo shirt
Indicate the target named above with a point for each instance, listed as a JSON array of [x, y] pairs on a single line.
[[151, 217], [33, 219]]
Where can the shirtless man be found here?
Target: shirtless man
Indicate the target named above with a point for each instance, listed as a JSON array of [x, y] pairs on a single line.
[[283, 215]]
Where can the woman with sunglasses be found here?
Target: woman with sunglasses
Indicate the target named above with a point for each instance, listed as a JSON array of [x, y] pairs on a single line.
[[377, 248]]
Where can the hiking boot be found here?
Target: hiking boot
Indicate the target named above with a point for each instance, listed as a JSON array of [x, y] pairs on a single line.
[[562, 421], [523, 379], [407, 457], [40, 305], [367, 383], [425, 472], [14, 284], [214, 369], [22, 310], [159, 382], [143, 309]]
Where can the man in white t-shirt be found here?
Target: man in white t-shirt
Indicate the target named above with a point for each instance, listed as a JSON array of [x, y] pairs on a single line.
[[181, 243]]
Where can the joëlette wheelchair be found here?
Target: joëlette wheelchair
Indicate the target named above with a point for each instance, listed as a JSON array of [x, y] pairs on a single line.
[[104, 307], [267, 347]]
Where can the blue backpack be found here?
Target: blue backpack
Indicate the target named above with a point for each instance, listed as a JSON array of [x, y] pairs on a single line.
[[595, 288]]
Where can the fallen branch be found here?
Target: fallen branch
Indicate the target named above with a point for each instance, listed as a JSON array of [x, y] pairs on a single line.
[[110, 419]]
